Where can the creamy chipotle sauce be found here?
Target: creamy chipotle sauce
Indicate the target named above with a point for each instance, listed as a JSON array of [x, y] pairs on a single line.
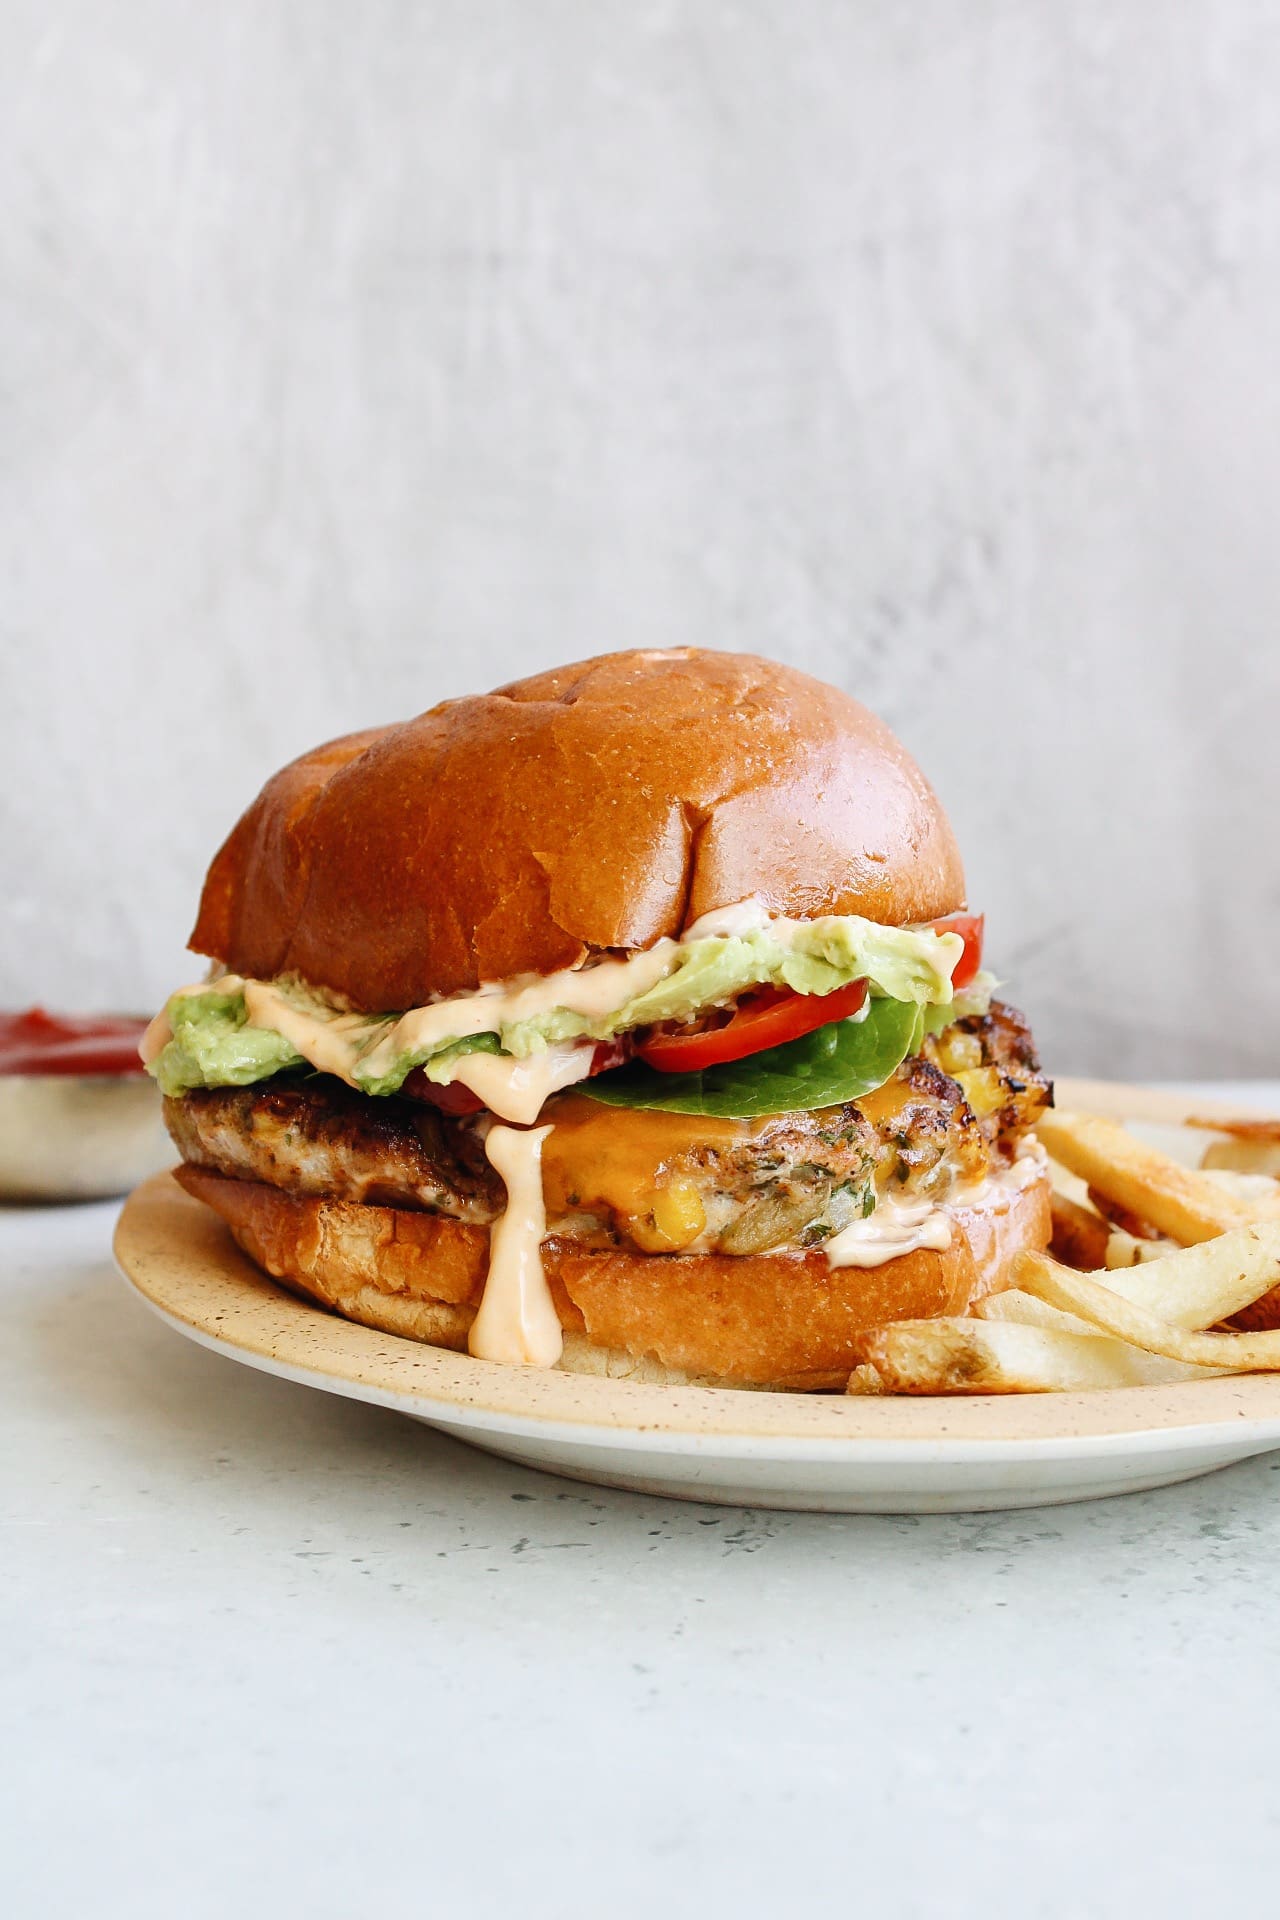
[[898, 1227], [517, 1322]]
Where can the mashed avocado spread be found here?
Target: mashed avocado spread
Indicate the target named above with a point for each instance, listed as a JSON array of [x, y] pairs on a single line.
[[222, 1034]]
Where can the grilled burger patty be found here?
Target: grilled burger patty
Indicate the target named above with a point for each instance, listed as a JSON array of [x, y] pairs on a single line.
[[653, 1181], [319, 1136]]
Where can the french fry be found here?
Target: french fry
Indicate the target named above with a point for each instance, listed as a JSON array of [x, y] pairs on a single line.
[[865, 1380], [1127, 1250], [1253, 1128], [981, 1356], [1179, 1201], [1262, 1317], [1173, 1252], [1067, 1184], [1028, 1311], [1244, 1156], [1166, 1301], [1190, 1287], [1079, 1234], [1121, 1218], [1258, 1190], [1252, 1144]]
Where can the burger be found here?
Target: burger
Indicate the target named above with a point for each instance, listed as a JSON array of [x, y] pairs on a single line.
[[629, 1019]]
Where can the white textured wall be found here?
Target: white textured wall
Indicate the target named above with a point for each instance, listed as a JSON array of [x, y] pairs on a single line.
[[353, 355]]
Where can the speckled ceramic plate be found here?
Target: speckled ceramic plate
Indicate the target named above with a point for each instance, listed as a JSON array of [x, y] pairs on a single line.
[[822, 1452]]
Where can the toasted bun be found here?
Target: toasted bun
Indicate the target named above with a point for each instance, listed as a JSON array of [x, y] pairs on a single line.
[[598, 806], [765, 1320]]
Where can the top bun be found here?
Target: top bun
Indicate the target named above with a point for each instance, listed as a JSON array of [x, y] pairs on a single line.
[[599, 806]]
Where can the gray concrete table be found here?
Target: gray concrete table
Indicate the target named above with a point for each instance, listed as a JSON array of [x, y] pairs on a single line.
[[268, 1651]]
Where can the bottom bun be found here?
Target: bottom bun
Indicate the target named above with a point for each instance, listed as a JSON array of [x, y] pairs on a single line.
[[781, 1320]]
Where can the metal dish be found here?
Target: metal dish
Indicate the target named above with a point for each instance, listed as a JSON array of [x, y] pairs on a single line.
[[79, 1136]]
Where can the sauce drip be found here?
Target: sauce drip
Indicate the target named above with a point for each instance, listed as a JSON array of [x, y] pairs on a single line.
[[517, 1323], [893, 1228], [898, 1226], [517, 1089], [39, 1042]]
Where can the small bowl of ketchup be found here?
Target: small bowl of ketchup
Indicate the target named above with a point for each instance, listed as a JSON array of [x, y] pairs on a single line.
[[79, 1118]]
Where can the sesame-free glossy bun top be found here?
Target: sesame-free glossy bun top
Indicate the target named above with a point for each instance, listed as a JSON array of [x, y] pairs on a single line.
[[597, 806]]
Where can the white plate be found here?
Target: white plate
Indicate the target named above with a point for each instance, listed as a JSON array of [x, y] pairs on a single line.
[[814, 1451]]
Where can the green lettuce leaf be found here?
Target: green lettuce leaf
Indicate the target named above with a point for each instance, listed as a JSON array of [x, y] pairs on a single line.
[[213, 1045], [913, 965], [839, 1062]]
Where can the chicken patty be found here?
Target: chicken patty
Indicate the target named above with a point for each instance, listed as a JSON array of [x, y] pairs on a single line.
[[319, 1136], [655, 1181]]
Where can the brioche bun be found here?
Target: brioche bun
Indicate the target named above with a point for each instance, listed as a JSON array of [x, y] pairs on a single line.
[[782, 1320], [599, 806]]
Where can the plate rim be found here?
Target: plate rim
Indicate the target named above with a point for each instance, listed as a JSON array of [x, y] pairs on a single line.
[[180, 1260], [789, 1449]]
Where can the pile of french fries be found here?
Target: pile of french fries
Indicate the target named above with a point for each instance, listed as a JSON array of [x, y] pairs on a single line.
[[1157, 1272]]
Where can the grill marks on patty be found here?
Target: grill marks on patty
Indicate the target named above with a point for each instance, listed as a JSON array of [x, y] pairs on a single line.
[[321, 1137], [1019, 1091], [926, 1132], [739, 1189]]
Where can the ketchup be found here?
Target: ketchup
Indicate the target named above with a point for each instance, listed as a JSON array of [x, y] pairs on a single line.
[[40, 1042]]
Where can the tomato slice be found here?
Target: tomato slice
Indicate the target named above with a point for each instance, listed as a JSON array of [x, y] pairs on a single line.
[[970, 927], [768, 1018], [453, 1098]]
